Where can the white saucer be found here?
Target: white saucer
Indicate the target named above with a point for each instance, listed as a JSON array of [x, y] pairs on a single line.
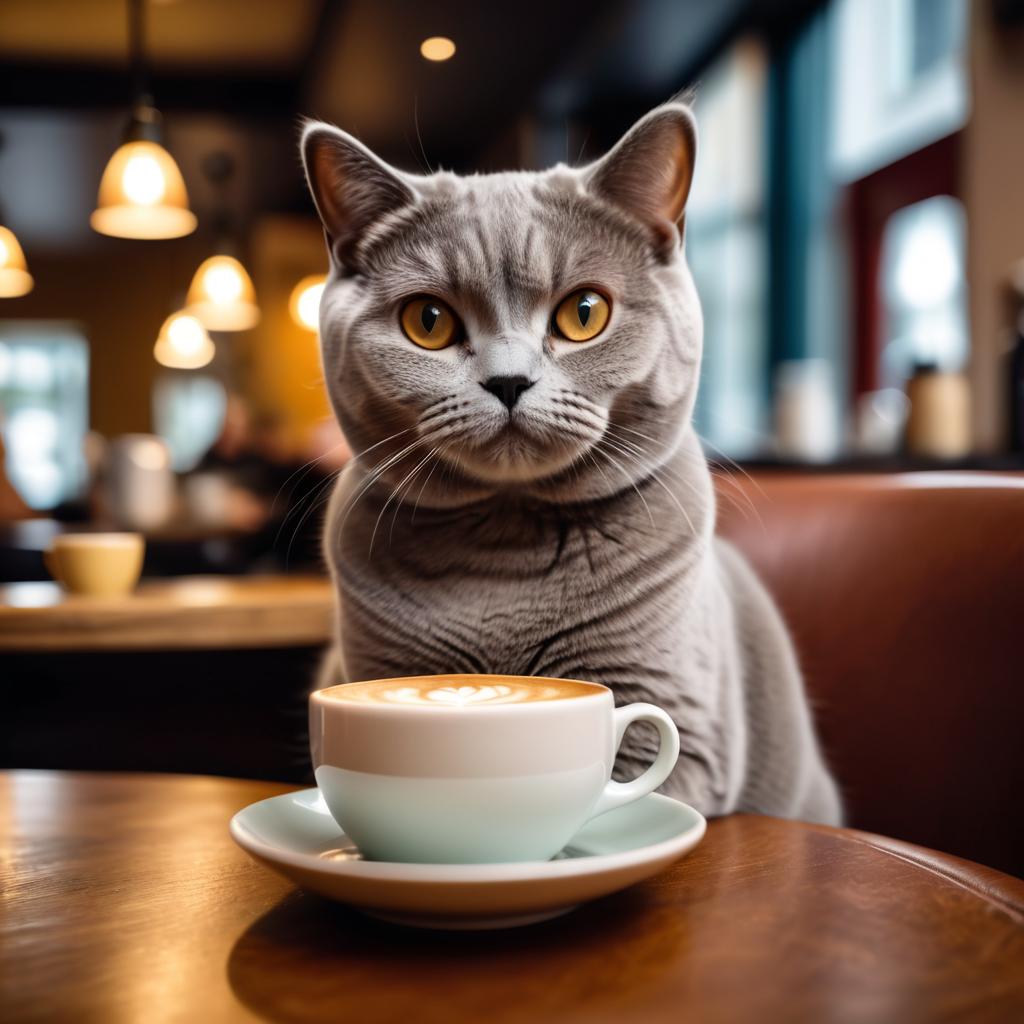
[[295, 835]]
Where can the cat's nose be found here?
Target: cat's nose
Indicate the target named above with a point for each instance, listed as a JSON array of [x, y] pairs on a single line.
[[508, 389]]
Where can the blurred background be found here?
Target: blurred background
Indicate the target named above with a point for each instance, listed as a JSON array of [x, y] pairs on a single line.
[[856, 227]]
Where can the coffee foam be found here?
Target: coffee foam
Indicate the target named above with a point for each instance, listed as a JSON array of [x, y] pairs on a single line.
[[461, 691]]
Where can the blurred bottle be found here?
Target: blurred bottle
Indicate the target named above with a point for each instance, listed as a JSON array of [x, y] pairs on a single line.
[[879, 422], [140, 482], [806, 413], [939, 424]]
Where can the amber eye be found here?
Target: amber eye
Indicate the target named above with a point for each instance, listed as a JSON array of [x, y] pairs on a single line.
[[430, 323], [582, 315]]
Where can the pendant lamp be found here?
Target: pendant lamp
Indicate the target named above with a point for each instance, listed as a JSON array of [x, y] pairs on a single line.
[[142, 193], [221, 294], [183, 343]]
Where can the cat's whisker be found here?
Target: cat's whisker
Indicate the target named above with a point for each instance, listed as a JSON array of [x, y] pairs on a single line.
[[412, 478], [652, 474], [309, 498], [374, 476], [739, 469], [618, 465], [423, 486], [733, 463], [315, 503], [304, 470], [392, 497], [664, 469]]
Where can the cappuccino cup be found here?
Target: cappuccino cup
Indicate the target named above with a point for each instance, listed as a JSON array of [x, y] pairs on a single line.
[[98, 564], [461, 769]]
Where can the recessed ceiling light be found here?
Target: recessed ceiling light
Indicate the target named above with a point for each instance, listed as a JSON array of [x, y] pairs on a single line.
[[437, 48]]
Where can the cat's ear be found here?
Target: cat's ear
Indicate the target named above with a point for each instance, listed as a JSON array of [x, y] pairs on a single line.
[[649, 172], [351, 186]]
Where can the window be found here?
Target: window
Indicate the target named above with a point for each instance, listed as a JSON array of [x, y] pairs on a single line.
[[188, 412], [899, 79], [923, 294], [44, 403], [725, 247]]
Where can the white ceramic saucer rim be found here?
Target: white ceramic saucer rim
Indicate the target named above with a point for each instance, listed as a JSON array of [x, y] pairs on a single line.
[[471, 874]]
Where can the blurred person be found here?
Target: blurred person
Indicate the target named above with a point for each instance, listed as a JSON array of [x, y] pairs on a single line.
[[12, 506], [243, 497]]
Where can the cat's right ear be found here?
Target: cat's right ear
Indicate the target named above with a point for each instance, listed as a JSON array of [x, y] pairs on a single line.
[[351, 186]]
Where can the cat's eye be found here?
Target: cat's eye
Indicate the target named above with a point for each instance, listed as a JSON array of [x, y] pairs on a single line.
[[582, 315], [430, 323]]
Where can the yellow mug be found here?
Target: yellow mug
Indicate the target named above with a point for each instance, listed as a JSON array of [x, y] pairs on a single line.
[[98, 564]]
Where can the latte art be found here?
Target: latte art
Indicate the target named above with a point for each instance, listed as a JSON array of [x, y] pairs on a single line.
[[458, 696], [461, 691]]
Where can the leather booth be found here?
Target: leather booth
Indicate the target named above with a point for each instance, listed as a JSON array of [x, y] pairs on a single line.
[[905, 598]]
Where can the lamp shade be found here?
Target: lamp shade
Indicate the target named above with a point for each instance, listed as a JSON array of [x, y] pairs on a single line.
[[15, 279], [183, 343], [142, 195], [222, 296], [304, 303]]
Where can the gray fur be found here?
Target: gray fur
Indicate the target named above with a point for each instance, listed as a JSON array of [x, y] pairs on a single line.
[[572, 537]]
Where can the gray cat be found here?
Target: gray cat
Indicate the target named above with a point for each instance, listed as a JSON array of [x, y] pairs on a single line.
[[516, 357]]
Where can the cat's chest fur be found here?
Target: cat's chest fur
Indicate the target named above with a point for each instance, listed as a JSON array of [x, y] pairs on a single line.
[[512, 587]]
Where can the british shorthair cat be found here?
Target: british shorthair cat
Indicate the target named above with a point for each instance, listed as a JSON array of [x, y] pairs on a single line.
[[516, 357]]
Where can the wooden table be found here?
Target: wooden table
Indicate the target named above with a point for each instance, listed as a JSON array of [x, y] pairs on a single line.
[[125, 900], [196, 612]]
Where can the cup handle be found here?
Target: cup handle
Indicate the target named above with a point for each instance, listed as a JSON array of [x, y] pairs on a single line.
[[616, 794]]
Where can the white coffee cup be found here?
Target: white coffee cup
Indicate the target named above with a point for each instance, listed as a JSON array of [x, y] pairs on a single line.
[[474, 768]]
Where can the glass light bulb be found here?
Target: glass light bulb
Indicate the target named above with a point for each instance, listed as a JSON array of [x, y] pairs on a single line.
[[143, 180], [183, 343], [222, 283], [15, 279], [186, 335], [305, 301], [309, 305], [221, 295]]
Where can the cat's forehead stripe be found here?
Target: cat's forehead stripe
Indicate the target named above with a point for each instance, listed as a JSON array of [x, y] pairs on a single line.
[[505, 241]]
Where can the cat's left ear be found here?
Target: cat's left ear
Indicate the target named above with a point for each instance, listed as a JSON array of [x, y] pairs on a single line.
[[649, 172]]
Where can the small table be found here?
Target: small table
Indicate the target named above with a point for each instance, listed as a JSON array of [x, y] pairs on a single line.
[[239, 653], [125, 900], [198, 612]]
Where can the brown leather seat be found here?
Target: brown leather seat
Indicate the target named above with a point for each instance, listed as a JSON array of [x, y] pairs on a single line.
[[905, 596]]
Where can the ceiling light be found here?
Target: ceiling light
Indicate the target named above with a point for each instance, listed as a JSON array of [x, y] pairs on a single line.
[[183, 343], [437, 48], [222, 296], [304, 303], [142, 193], [15, 279]]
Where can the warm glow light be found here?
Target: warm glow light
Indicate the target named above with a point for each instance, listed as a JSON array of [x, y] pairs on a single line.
[[222, 296], [183, 343], [143, 180], [305, 301], [437, 48], [15, 279], [142, 195]]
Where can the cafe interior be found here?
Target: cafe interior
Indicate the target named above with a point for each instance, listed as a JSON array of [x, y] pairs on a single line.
[[855, 230]]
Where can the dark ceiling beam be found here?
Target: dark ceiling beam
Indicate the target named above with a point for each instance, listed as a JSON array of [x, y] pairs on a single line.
[[78, 87], [321, 42]]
